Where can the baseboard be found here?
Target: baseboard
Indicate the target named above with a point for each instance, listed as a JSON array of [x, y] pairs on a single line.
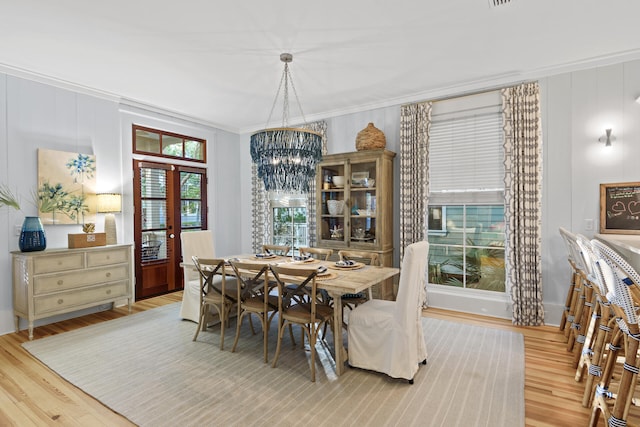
[[483, 303]]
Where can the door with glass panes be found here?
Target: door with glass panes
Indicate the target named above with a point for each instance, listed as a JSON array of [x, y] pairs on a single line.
[[168, 200]]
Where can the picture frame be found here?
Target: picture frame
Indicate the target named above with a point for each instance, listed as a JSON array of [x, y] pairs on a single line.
[[620, 208]]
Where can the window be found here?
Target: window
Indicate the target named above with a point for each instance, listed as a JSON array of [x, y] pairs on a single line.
[[466, 198], [289, 221], [166, 144]]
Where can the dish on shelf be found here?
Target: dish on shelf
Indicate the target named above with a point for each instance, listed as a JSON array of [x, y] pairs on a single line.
[[338, 186], [362, 239], [335, 207], [365, 212]]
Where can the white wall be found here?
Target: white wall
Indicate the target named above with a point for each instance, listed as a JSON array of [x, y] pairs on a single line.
[[37, 115], [576, 108]]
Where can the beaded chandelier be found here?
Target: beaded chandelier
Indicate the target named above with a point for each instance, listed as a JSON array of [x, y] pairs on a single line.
[[286, 157]]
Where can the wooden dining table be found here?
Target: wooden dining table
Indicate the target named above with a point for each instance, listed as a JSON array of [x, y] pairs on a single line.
[[341, 281]]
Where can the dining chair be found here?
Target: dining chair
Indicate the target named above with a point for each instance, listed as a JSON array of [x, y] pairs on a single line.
[[254, 287], [387, 336], [200, 244], [318, 253], [282, 250], [611, 400], [214, 293], [370, 258], [311, 315]]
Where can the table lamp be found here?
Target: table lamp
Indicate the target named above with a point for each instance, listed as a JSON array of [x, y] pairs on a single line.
[[109, 203]]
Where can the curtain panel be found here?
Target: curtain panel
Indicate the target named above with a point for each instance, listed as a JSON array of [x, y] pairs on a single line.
[[261, 229], [523, 195], [415, 122]]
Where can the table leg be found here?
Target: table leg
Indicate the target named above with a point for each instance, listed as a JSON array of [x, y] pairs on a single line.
[[340, 351]]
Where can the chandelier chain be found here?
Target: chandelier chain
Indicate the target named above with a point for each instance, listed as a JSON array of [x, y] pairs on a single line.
[[286, 79]]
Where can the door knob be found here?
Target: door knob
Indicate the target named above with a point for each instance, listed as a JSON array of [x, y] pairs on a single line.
[[171, 236]]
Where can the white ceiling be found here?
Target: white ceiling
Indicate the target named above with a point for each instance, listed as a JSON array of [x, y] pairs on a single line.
[[219, 61]]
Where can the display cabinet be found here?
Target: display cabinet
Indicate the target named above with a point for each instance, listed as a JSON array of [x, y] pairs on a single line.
[[355, 205]]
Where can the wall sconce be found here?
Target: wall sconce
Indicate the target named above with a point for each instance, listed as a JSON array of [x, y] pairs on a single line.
[[109, 203], [607, 138]]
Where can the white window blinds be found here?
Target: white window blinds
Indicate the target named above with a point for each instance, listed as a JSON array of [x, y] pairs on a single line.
[[466, 151]]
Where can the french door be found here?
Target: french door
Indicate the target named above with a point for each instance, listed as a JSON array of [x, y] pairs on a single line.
[[168, 199]]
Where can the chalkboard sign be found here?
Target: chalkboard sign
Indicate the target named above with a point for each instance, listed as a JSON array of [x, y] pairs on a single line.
[[620, 208]]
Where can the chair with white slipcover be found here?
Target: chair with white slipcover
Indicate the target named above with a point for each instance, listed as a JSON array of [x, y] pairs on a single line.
[[199, 244], [386, 336]]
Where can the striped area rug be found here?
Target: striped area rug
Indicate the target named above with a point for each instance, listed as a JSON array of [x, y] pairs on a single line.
[[146, 367]]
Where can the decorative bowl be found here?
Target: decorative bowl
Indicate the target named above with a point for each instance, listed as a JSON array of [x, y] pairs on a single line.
[[335, 207], [338, 181]]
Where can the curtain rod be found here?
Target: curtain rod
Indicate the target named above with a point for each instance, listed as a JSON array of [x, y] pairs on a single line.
[[465, 94]]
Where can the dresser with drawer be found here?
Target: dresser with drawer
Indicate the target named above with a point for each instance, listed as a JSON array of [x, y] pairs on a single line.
[[58, 281]]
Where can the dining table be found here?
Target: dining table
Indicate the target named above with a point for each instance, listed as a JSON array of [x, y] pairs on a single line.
[[336, 280]]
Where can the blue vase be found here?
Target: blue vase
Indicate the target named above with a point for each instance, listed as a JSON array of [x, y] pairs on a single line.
[[32, 237]]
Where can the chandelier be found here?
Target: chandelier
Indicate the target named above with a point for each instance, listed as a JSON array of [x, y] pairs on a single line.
[[286, 157]]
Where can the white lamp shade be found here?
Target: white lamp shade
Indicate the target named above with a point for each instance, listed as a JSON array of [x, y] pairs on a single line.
[[109, 202]]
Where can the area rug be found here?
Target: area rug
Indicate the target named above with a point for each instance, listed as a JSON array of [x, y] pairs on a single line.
[[146, 367]]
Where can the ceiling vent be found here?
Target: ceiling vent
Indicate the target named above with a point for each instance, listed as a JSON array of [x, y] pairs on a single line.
[[496, 3]]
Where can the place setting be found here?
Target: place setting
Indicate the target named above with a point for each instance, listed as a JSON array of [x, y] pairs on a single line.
[[346, 265]]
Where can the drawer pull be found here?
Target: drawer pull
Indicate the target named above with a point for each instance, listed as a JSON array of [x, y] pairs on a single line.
[[108, 291], [108, 274], [60, 301], [60, 282]]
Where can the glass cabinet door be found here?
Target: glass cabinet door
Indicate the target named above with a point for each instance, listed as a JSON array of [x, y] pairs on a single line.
[[363, 202], [334, 203]]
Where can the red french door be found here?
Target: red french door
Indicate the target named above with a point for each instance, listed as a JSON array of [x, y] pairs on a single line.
[[168, 199]]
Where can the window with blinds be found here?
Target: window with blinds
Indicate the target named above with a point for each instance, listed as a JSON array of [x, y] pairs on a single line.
[[466, 193], [466, 150]]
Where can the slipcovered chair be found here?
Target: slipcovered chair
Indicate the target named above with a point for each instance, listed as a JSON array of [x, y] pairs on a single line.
[[386, 336], [199, 244]]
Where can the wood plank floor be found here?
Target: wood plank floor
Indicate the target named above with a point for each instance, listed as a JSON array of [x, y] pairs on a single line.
[[32, 395]]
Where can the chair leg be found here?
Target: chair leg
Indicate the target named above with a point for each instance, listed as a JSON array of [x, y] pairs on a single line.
[[235, 341], [567, 304], [200, 322], [280, 333]]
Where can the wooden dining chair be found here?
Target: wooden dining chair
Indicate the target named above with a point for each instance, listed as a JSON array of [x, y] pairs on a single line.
[[282, 250], [214, 294], [318, 253], [254, 289], [369, 258], [310, 315]]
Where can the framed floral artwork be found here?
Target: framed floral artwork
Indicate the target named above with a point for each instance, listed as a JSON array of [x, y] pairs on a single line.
[[66, 187]]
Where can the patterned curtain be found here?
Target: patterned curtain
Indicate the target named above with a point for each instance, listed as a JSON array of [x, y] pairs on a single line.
[[261, 210], [415, 122], [523, 194]]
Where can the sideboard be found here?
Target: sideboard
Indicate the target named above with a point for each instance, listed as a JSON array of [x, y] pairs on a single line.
[[57, 281]]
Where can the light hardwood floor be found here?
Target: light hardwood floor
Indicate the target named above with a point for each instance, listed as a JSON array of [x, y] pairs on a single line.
[[32, 395]]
